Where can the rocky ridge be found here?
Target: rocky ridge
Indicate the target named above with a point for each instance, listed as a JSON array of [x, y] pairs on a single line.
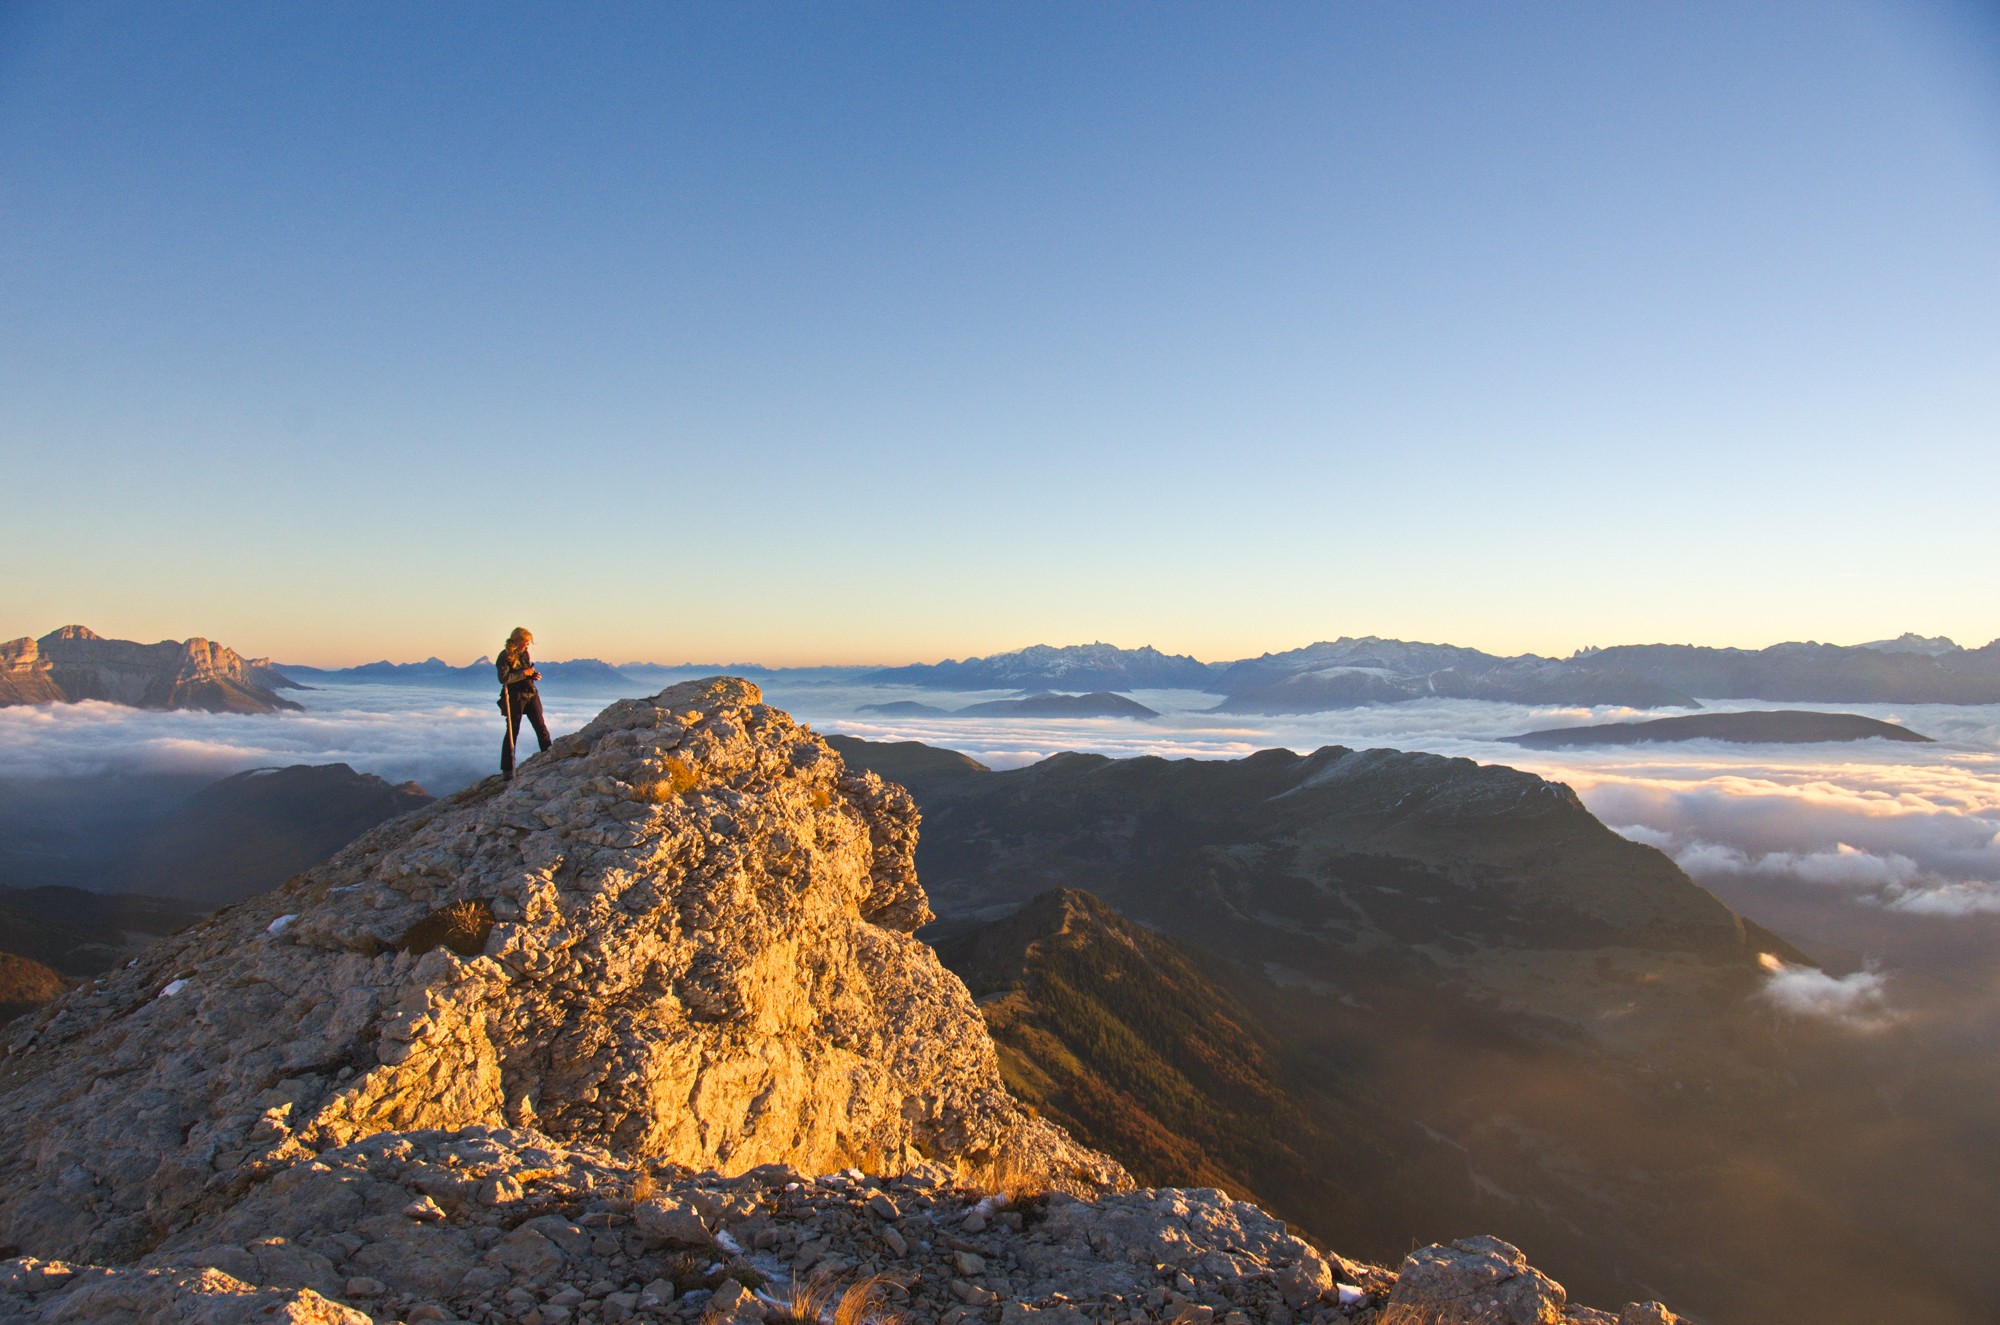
[[565, 1049], [503, 1226], [75, 663]]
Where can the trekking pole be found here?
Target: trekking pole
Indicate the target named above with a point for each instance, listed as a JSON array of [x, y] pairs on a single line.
[[507, 732]]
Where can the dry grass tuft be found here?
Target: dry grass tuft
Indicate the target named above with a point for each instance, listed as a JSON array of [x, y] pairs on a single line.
[[1016, 1185], [1404, 1313], [687, 1270], [461, 926], [643, 1187], [678, 778], [819, 1302]]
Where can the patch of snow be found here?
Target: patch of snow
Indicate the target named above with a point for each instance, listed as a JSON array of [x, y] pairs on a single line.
[[728, 1243], [173, 987], [278, 926], [1351, 1296]]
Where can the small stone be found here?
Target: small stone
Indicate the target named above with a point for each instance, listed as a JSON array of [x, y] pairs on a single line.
[[969, 1262], [499, 1190], [973, 1294], [733, 1299], [664, 1221], [362, 1286], [895, 1240], [883, 1206], [424, 1210]]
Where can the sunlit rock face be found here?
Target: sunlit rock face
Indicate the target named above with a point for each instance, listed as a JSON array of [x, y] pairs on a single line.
[[76, 663], [683, 934]]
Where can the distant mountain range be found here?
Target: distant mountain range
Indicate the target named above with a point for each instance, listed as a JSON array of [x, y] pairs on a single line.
[[1350, 672], [1044, 704], [582, 673], [1783, 727], [1042, 667], [75, 663]]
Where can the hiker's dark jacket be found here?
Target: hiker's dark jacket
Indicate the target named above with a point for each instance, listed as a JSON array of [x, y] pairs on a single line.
[[516, 674]]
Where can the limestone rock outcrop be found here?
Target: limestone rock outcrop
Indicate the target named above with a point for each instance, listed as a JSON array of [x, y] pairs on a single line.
[[683, 934], [76, 663], [1481, 1279]]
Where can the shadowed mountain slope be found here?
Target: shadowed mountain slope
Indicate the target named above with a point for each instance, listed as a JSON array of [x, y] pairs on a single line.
[[84, 933], [1447, 970], [249, 833], [1134, 1045]]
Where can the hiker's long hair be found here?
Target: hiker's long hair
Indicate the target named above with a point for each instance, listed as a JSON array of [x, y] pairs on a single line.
[[520, 639]]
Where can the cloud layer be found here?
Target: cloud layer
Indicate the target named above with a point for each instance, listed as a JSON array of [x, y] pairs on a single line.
[[1858, 1001], [1910, 830]]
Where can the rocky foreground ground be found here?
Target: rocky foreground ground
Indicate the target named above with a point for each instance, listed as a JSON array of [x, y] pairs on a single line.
[[495, 1225], [547, 1052]]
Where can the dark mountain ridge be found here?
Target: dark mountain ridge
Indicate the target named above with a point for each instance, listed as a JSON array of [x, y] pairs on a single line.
[[192, 848], [249, 833], [1779, 727], [1476, 999]]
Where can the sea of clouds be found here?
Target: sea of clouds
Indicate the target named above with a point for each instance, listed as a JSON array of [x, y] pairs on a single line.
[[1889, 832]]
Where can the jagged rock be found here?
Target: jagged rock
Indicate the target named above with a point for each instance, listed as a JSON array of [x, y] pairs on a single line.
[[182, 1297], [337, 1220], [681, 934], [75, 663], [1478, 1279]]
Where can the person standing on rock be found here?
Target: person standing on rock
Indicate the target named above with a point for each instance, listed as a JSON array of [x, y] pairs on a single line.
[[518, 696]]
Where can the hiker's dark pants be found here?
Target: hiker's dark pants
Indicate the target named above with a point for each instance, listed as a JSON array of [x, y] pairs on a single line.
[[527, 706]]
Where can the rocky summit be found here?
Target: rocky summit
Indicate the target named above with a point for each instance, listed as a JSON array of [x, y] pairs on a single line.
[[570, 1048]]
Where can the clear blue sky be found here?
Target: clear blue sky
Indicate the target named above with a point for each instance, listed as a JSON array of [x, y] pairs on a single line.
[[879, 332]]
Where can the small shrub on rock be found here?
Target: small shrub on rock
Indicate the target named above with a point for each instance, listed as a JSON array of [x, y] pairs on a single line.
[[461, 926]]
